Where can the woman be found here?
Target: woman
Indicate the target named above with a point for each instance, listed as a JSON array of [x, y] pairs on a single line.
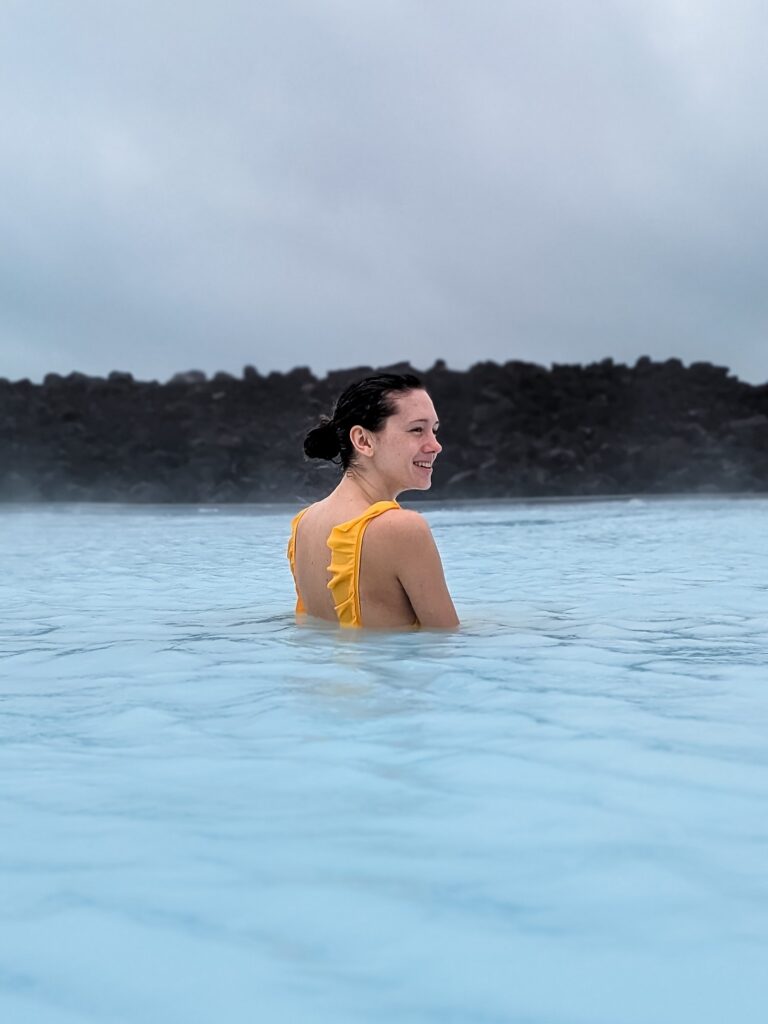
[[384, 431]]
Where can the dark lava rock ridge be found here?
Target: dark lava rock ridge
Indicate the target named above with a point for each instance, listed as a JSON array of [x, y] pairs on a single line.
[[514, 429]]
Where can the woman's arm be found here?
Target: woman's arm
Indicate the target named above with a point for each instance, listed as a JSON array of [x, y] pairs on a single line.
[[420, 571]]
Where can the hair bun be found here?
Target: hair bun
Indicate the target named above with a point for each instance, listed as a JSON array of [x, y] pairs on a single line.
[[322, 442]]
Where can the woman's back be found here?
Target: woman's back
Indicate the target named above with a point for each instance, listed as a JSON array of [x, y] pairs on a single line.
[[344, 567]]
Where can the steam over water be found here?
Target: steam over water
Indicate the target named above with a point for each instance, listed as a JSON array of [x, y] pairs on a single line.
[[558, 814]]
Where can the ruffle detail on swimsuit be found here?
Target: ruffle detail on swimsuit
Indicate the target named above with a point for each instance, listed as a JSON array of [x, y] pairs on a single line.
[[345, 542]]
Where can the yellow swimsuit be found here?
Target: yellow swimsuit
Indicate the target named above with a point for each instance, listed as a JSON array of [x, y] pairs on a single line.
[[345, 542]]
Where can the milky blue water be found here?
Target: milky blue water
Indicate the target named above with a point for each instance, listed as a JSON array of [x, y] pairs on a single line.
[[558, 814]]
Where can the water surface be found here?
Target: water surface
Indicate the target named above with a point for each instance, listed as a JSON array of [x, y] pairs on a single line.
[[557, 815]]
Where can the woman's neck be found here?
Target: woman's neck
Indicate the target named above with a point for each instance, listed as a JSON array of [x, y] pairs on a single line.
[[371, 488]]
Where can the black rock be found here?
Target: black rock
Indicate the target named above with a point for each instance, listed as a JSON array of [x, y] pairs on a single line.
[[515, 429]]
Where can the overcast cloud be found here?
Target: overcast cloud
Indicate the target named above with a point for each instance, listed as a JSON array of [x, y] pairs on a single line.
[[209, 184]]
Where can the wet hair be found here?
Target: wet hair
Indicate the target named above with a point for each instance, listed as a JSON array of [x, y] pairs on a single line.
[[366, 403]]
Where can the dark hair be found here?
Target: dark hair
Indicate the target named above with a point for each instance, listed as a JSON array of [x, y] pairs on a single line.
[[366, 403]]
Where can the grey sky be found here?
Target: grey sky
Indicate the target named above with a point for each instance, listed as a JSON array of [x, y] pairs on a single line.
[[209, 184]]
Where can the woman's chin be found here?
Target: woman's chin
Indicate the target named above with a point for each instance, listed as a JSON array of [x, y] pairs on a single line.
[[415, 485]]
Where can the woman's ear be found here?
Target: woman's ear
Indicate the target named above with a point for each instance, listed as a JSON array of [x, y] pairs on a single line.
[[361, 441]]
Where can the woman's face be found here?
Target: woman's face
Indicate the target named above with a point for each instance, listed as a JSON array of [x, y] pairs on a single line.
[[406, 446]]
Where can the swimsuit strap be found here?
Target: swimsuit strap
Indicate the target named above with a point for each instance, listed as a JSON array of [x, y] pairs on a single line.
[[300, 609], [345, 542]]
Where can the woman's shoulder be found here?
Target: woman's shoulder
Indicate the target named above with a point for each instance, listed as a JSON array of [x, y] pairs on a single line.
[[400, 523], [310, 511]]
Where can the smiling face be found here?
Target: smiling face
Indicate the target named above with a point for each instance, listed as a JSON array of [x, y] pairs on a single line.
[[406, 446]]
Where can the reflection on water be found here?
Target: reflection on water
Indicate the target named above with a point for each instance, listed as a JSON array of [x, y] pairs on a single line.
[[556, 814]]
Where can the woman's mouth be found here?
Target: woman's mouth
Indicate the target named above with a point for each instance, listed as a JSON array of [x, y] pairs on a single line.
[[423, 465]]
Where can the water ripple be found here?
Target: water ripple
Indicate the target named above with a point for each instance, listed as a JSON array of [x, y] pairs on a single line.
[[211, 813]]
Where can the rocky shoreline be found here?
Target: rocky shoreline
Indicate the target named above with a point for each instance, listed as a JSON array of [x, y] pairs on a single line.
[[510, 430]]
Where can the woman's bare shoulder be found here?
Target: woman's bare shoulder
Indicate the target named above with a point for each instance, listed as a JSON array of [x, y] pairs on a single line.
[[323, 514], [405, 547], [401, 525]]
